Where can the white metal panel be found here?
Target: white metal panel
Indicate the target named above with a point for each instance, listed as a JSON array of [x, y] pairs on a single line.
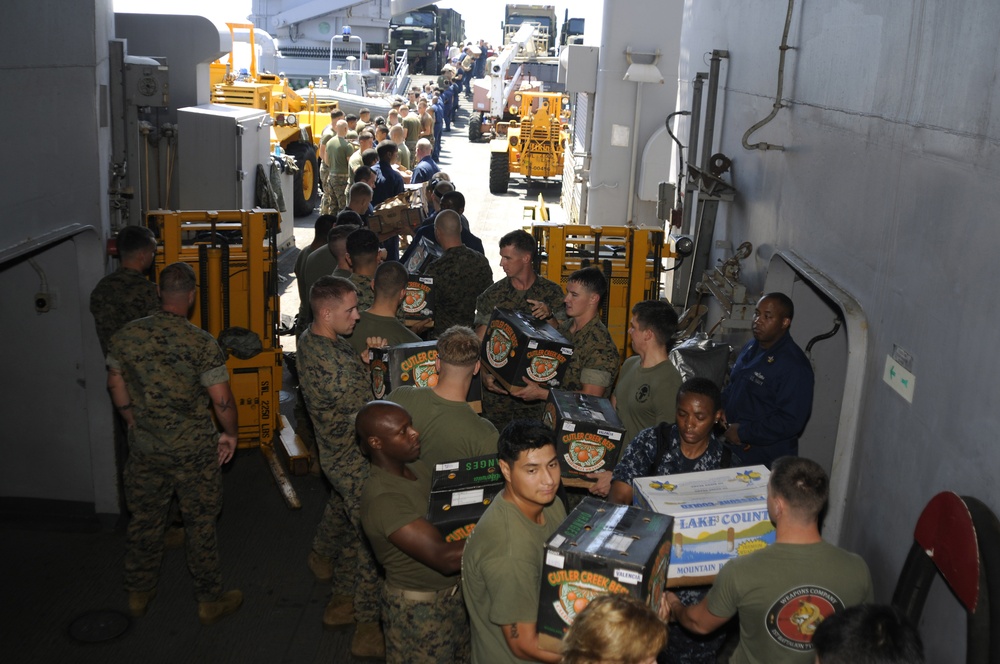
[[219, 149]]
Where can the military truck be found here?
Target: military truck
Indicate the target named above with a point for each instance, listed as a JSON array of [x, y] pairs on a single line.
[[426, 33], [543, 15]]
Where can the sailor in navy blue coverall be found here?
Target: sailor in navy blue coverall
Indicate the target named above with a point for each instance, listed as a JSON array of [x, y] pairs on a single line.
[[769, 397]]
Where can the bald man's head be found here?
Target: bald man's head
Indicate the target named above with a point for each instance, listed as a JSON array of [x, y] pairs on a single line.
[[385, 431]]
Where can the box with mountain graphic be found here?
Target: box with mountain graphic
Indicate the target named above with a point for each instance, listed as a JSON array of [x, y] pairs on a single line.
[[718, 515]]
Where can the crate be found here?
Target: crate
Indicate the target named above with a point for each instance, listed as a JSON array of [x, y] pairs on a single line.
[[600, 548], [518, 347], [460, 493], [718, 515], [589, 434]]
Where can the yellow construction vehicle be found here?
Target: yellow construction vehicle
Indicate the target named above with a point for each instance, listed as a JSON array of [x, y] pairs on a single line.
[[298, 121], [533, 145], [630, 258]]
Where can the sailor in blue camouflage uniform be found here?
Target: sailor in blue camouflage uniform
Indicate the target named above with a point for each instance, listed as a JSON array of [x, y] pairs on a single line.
[[688, 446], [522, 290], [159, 371], [335, 385]]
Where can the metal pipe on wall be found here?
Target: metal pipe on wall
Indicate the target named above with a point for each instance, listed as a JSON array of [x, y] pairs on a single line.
[[710, 103], [693, 131]]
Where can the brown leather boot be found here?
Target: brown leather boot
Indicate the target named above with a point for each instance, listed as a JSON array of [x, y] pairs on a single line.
[[339, 612], [368, 641], [138, 602], [320, 566], [210, 613]]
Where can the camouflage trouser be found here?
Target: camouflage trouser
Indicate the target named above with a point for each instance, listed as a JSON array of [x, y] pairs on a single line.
[[334, 194], [341, 538], [150, 481], [500, 409], [425, 630], [684, 647]]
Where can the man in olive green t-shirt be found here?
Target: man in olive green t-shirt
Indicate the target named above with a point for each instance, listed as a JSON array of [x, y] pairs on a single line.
[[502, 563], [421, 599], [449, 428], [380, 320], [782, 591]]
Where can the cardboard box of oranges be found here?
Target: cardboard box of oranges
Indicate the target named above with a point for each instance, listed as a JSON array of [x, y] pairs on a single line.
[[600, 548], [517, 346], [589, 434], [460, 493], [412, 364], [418, 303]]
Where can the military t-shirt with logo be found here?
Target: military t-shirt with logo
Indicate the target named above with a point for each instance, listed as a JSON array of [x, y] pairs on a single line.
[[783, 593], [644, 397]]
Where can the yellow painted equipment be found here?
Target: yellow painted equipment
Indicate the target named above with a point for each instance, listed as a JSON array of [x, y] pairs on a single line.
[[534, 146], [234, 256], [298, 121], [631, 259]]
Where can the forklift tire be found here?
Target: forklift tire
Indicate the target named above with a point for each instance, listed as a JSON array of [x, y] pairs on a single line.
[[499, 173], [475, 127], [305, 180]]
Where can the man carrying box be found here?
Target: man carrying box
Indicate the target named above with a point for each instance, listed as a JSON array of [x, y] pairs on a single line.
[[783, 591], [502, 563], [525, 291], [449, 428], [425, 619]]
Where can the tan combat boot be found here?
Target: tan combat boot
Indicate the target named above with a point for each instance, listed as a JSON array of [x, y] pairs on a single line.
[[320, 566], [368, 641], [339, 612], [210, 613], [138, 602]]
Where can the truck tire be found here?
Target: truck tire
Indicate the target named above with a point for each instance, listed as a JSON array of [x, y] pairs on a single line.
[[475, 127], [499, 173], [305, 180]]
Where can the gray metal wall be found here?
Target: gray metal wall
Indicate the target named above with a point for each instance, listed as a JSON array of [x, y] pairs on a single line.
[[57, 441], [887, 186]]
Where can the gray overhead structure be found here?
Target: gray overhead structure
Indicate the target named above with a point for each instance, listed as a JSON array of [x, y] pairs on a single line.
[[304, 30]]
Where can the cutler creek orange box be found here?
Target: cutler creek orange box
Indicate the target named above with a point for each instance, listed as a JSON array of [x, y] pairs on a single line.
[[517, 346]]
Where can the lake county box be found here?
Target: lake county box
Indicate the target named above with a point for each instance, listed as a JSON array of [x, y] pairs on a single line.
[[589, 434], [418, 303], [600, 548], [412, 364], [518, 346], [718, 515], [460, 493]]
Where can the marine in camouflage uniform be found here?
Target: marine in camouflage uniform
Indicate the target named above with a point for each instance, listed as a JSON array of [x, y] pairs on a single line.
[[595, 358], [366, 294], [336, 157], [125, 294], [335, 385], [461, 275], [500, 409], [160, 368]]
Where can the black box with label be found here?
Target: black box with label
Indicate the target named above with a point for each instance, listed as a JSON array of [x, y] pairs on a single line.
[[412, 364], [460, 493], [418, 303], [518, 346], [601, 548], [589, 434]]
